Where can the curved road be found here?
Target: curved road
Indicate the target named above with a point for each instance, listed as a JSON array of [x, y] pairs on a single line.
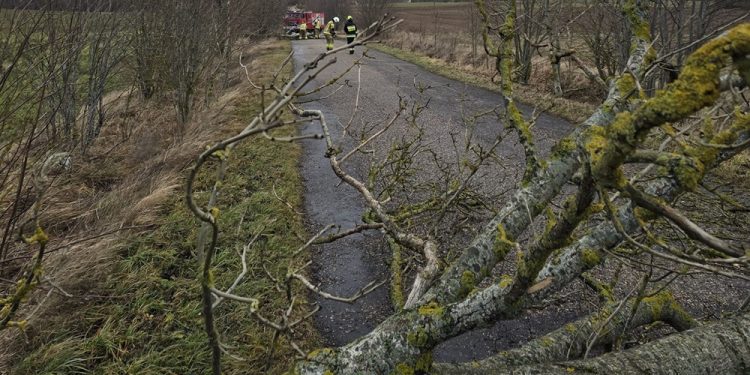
[[345, 266]]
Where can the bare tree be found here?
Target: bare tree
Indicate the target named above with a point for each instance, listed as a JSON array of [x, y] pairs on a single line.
[[680, 26], [105, 47], [175, 43], [556, 26], [147, 51], [261, 18], [64, 54], [331, 8], [370, 11], [529, 35], [27, 138], [473, 28], [57, 68], [188, 47], [606, 35]]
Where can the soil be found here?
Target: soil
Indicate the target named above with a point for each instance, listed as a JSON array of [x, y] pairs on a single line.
[[427, 19]]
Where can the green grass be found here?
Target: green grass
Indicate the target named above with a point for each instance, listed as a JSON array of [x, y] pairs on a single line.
[[152, 322], [570, 110]]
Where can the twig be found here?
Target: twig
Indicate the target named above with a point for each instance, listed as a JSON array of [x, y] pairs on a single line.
[[367, 289], [243, 260], [598, 332], [247, 73], [357, 229]]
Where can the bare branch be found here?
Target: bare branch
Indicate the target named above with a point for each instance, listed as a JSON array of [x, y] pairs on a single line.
[[365, 290]]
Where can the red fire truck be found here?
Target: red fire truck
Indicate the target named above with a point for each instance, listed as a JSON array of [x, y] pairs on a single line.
[[295, 17]]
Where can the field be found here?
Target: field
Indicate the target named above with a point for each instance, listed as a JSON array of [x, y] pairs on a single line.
[[427, 17]]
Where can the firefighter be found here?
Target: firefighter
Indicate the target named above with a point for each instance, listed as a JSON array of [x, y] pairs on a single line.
[[351, 32], [318, 25], [303, 30], [330, 32]]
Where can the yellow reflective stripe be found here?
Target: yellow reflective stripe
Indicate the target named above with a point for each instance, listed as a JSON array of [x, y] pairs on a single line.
[[351, 29]]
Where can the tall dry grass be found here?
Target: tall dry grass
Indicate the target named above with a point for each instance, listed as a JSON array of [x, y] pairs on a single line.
[[456, 56], [118, 191], [458, 50]]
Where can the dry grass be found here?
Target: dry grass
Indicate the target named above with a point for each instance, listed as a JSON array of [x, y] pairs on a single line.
[[127, 189], [455, 57], [100, 195]]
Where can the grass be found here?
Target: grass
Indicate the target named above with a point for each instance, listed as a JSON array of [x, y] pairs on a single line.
[[150, 321], [570, 110]]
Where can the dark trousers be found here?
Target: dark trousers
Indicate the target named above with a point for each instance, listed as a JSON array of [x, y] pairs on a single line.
[[349, 40]]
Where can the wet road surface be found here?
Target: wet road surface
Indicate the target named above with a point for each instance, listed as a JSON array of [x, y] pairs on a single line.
[[345, 266]]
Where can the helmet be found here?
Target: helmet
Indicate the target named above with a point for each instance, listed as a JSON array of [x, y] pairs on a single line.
[[348, 17], [336, 19]]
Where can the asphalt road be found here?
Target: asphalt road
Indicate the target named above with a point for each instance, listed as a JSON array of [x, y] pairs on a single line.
[[345, 266]]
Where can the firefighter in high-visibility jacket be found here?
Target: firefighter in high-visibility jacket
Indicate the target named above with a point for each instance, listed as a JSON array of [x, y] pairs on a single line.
[[303, 30], [351, 32], [329, 32], [317, 26]]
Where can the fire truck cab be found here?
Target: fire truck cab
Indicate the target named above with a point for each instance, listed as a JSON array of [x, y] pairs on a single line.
[[295, 17]]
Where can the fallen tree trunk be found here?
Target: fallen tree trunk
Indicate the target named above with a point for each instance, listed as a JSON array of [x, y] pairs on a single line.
[[574, 339], [718, 348]]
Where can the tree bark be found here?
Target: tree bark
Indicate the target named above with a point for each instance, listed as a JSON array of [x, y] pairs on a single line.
[[719, 348], [572, 340]]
